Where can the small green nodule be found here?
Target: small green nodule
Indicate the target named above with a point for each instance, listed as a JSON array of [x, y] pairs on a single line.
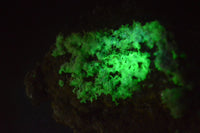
[[61, 83]]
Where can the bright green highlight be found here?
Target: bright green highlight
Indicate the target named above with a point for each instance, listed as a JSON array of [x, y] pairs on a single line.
[[113, 59], [174, 55], [61, 83]]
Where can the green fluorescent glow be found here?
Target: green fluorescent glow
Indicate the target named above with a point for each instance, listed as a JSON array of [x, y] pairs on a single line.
[[174, 55], [113, 58], [61, 83]]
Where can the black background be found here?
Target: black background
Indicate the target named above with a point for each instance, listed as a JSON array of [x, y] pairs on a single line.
[[29, 28]]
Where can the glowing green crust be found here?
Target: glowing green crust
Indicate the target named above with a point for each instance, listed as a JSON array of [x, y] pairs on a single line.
[[113, 59]]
